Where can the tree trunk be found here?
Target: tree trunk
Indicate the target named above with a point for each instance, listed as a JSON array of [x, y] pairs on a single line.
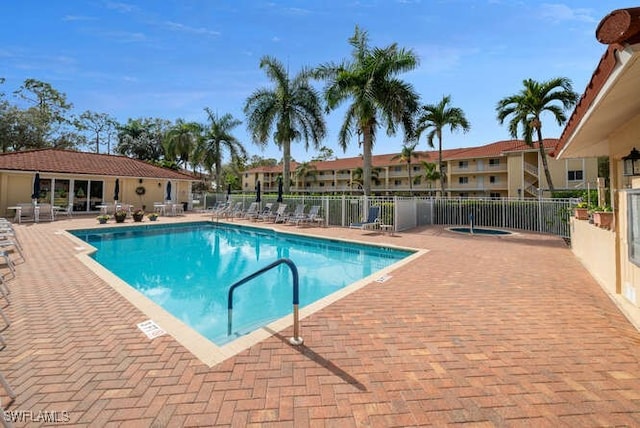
[[439, 135], [286, 160], [366, 161], [410, 180], [543, 155]]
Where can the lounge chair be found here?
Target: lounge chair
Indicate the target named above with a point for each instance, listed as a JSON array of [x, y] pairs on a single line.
[[252, 211], [310, 217], [265, 212], [280, 215], [372, 221], [298, 214]]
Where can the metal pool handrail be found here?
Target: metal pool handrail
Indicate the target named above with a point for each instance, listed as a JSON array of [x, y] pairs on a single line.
[[296, 339]]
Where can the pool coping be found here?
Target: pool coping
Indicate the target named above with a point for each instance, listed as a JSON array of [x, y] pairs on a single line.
[[202, 348]]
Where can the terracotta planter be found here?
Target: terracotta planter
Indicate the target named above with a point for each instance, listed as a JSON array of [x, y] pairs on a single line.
[[120, 219], [102, 220], [603, 219], [581, 213], [138, 217]]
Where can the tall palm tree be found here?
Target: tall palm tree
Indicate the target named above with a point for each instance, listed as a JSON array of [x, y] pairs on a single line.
[[526, 107], [431, 172], [292, 109], [304, 170], [180, 141], [377, 97], [406, 154], [218, 137], [435, 117]]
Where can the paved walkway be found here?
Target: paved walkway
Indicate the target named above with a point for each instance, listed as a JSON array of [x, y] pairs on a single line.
[[479, 331]]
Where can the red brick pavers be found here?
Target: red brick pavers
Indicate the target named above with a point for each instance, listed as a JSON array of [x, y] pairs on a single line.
[[480, 331]]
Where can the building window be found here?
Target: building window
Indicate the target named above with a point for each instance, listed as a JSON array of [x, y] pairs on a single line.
[[633, 226], [463, 180], [397, 182], [463, 164], [493, 179], [494, 195], [494, 162], [397, 169], [246, 175], [574, 175], [416, 168], [321, 184]]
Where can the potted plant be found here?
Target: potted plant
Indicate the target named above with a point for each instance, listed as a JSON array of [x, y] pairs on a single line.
[[603, 216], [153, 216], [120, 215], [103, 218], [138, 215], [581, 211]]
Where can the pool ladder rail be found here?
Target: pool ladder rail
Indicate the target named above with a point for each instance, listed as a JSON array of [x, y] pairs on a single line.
[[296, 339]]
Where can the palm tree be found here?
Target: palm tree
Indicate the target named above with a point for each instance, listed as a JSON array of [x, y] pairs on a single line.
[[435, 117], [525, 108], [377, 96], [218, 137], [408, 152], [431, 173], [292, 108], [357, 177], [304, 170], [181, 140]]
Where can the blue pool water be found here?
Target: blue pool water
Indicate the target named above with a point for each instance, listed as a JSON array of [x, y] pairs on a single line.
[[187, 269]]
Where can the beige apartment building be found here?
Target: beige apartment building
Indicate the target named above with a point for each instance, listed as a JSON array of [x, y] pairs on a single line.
[[499, 170]]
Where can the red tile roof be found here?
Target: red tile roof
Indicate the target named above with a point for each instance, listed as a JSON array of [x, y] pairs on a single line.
[[72, 162], [489, 150], [620, 27]]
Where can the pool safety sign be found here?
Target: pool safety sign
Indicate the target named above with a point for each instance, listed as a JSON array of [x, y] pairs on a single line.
[[151, 329]]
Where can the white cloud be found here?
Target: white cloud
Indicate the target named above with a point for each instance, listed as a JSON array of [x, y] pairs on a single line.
[[120, 7], [558, 12], [176, 26], [78, 18]]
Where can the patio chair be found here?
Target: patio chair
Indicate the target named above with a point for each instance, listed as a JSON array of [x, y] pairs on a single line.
[[298, 214], [26, 212], [236, 211], [310, 217], [277, 215], [68, 211], [265, 212], [252, 211], [45, 212], [9, 263], [10, 242], [372, 221]]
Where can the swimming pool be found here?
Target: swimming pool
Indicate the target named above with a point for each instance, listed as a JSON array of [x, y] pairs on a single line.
[[187, 269]]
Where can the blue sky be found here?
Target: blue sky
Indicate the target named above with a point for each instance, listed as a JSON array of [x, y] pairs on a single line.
[[172, 58]]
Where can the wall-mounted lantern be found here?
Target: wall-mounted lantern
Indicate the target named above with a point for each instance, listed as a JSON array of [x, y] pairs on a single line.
[[631, 163]]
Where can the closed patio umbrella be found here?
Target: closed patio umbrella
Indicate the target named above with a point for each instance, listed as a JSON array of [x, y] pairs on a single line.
[[36, 187], [279, 190], [258, 191], [168, 191], [228, 192], [116, 190]]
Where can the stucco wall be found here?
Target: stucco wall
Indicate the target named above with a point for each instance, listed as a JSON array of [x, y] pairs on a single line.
[[595, 248]]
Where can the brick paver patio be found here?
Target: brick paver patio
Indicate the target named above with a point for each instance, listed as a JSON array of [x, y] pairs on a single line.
[[479, 331]]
